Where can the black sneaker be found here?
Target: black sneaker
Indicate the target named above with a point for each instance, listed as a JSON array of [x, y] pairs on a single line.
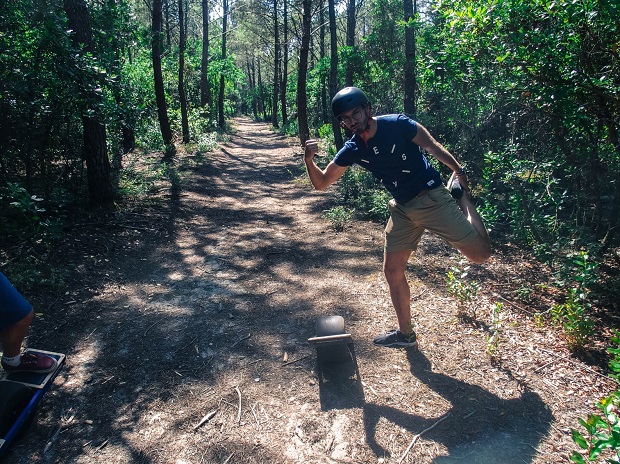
[[455, 187], [395, 339]]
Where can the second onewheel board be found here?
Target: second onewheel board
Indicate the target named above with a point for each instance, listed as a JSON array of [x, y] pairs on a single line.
[[20, 395]]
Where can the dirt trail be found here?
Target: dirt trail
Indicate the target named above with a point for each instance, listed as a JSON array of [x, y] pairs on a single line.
[[203, 304]]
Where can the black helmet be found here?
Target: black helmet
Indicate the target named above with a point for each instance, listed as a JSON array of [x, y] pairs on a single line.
[[347, 99]]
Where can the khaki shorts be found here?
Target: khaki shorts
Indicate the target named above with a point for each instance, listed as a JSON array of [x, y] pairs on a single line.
[[435, 211]]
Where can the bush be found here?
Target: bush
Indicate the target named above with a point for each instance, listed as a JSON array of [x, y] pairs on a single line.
[[603, 430]]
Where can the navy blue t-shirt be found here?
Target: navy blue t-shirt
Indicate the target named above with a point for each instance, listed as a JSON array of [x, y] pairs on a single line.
[[392, 157]]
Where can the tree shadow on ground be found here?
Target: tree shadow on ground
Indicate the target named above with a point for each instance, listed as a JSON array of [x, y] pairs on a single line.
[[480, 427]]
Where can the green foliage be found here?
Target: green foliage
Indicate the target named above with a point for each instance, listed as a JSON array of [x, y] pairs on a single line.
[[464, 291], [338, 216], [140, 178], [359, 189], [603, 439], [30, 276], [326, 134], [381, 76], [207, 142], [494, 339], [26, 217], [508, 86], [525, 196], [573, 314], [26, 204]]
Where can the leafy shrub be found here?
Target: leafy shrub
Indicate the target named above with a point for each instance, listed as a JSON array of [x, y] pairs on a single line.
[[494, 339], [25, 215], [338, 216], [207, 141], [359, 189], [573, 313], [603, 430], [463, 291]]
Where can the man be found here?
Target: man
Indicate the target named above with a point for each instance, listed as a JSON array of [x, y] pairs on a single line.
[[390, 146], [16, 315]]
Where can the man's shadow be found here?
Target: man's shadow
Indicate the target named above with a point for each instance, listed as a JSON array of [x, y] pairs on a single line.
[[480, 428]]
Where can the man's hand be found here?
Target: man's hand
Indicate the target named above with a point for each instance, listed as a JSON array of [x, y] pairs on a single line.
[[312, 148], [463, 180]]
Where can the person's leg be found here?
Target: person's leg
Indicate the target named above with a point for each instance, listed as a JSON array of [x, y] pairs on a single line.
[[394, 266], [16, 315], [479, 250], [13, 360], [457, 221], [401, 237], [13, 336]]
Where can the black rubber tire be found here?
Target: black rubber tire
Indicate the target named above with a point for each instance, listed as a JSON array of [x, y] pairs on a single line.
[[14, 397], [329, 325], [336, 353]]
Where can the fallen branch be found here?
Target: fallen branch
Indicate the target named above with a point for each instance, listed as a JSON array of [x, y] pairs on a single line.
[[153, 325], [239, 341], [102, 445], [293, 362], [497, 295], [577, 365], [117, 224], [205, 419], [52, 440], [239, 409], [402, 458], [255, 417]]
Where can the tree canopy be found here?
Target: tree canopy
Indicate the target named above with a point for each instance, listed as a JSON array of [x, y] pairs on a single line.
[[525, 92]]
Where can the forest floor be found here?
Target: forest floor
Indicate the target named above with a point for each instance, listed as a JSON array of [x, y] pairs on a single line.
[[200, 304]]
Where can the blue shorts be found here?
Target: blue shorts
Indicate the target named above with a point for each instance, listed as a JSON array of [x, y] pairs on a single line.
[[13, 306]]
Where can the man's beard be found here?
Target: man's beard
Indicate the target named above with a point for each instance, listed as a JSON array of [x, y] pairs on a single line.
[[361, 126]]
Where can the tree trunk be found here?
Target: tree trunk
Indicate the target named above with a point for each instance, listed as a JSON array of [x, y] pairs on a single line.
[[261, 93], [160, 94], [204, 62], [276, 65], [182, 97], [325, 111], [100, 189], [333, 71], [284, 80], [350, 39], [410, 7], [302, 100], [221, 119]]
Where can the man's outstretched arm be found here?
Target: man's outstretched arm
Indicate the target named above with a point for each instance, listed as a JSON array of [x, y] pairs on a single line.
[[321, 179]]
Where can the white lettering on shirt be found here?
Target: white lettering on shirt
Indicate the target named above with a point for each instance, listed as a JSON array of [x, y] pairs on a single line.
[[393, 148], [376, 150]]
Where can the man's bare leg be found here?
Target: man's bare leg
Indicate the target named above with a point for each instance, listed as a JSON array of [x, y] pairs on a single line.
[[479, 250], [394, 266]]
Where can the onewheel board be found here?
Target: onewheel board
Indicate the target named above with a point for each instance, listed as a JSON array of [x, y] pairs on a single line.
[[331, 340], [20, 394]]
